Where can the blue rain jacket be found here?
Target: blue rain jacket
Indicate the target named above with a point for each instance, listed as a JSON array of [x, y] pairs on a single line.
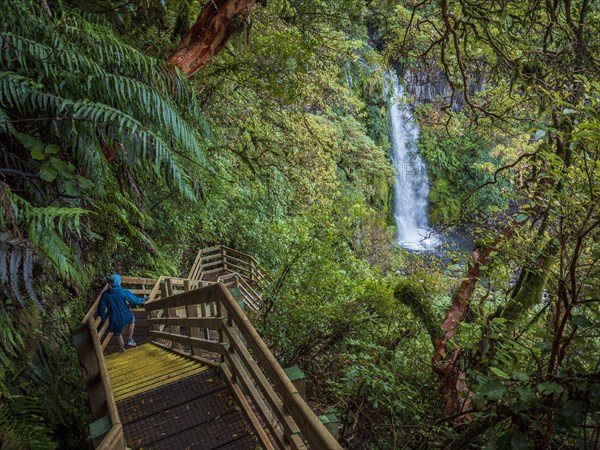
[[114, 301]]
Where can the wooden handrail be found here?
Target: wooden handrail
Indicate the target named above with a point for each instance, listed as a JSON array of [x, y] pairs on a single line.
[[99, 336], [114, 439], [252, 366], [222, 258]]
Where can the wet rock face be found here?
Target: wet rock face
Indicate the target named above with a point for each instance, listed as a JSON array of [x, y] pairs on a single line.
[[429, 85]]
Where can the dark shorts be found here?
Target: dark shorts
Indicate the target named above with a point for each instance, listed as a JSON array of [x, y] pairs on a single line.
[[126, 325]]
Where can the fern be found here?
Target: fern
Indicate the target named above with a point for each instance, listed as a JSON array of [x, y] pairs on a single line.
[[45, 227], [90, 130], [22, 426]]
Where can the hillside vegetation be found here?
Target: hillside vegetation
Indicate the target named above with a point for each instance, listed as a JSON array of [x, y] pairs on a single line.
[[120, 152]]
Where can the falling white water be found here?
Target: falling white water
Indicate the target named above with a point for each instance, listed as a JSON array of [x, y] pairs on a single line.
[[349, 80], [411, 184]]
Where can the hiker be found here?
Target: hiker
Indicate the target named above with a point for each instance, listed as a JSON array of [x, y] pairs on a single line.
[[114, 301]]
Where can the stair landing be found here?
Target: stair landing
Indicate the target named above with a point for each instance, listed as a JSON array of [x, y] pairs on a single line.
[[166, 401]]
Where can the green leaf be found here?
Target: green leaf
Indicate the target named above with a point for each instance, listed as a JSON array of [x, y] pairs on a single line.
[[63, 168], [521, 376], [521, 217], [33, 144], [527, 394], [581, 321], [569, 111], [492, 389], [549, 388], [499, 373], [37, 154], [47, 173], [51, 149], [71, 188], [85, 183]]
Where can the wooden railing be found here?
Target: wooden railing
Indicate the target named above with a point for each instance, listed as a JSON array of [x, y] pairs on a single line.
[[90, 342], [220, 258], [253, 373]]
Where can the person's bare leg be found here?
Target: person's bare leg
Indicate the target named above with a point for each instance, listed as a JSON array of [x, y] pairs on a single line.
[[130, 328], [121, 343]]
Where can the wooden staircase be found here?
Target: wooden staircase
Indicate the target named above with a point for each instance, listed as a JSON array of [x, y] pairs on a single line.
[[201, 377]]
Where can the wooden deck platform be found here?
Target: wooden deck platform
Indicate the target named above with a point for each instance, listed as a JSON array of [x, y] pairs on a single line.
[[166, 401]]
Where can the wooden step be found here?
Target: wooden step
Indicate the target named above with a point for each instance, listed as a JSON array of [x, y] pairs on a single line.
[[146, 367]]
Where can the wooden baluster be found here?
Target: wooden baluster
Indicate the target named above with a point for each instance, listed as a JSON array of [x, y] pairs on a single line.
[[172, 312], [192, 311], [221, 311]]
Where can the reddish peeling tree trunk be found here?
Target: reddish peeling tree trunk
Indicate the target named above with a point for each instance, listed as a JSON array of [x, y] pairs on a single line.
[[455, 392], [210, 33]]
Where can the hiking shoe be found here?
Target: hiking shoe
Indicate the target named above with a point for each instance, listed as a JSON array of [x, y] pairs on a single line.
[[131, 343]]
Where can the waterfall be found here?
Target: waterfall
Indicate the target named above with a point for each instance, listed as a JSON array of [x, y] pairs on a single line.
[[411, 184], [349, 80]]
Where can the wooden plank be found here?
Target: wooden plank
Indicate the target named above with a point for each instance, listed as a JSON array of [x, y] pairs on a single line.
[[268, 393], [92, 311], [103, 372], [195, 358], [210, 249], [106, 340], [137, 280], [210, 257], [240, 377], [155, 290], [218, 269], [195, 264], [103, 329], [204, 344], [233, 250], [196, 297], [214, 323], [114, 439], [241, 270], [248, 298], [90, 371], [175, 329], [141, 291], [243, 262], [313, 430], [247, 409], [212, 264]]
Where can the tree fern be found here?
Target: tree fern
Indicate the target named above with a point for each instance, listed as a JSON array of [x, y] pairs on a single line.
[[75, 84]]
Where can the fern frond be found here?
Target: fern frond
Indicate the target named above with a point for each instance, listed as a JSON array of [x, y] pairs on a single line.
[[111, 125], [45, 227], [21, 424], [6, 126], [106, 47]]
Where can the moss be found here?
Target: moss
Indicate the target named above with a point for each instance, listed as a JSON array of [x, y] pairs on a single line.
[[411, 293]]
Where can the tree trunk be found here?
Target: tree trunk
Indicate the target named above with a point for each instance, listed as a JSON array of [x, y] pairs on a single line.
[[456, 395], [210, 33]]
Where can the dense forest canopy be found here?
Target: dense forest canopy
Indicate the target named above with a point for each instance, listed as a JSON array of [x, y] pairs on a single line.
[[134, 133]]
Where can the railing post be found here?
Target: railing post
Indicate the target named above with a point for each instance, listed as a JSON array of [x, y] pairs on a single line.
[[192, 311], [167, 291], [221, 311], [224, 257]]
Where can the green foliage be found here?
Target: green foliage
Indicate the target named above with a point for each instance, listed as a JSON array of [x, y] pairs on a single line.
[[91, 130], [459, 162]]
